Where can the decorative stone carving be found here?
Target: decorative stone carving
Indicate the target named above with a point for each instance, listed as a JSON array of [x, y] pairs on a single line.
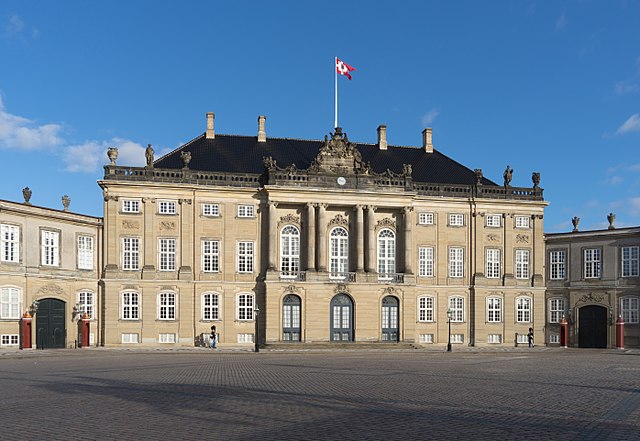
[[597, 298], [269, 163], [167, 225], [478, 173], [148, 153], [575, 221], [152, 200], [522, 238], [611, 218], [508, 174], [130, 225], [132, 287], [186, 159], [339, 221], [535, 178], [387, 222], [493, 237], [26, 194], [289, 219], [184, 201], [112, 154], [407, 170], [389, 291], [51, 290], [66, 200], [342, 288], [292, 289], [338, 155]]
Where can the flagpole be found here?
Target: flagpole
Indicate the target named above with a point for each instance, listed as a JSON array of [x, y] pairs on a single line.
[[335, 73]]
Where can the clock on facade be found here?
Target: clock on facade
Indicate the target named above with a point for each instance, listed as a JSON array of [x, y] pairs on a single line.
[[341, 181]]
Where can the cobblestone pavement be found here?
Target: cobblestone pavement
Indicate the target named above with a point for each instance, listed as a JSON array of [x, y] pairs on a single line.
[[319, 395]]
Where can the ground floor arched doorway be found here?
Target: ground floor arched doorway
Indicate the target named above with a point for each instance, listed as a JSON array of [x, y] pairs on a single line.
[[51, 331], [341, 318], [592, 327], [390, 315]]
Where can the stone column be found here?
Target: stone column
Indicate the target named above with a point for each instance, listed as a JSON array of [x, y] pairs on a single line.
[[149, 241], [322, 237], [273, 235], [360, 238], [311, 236], [408, 249], [371, 239], [186, 241]]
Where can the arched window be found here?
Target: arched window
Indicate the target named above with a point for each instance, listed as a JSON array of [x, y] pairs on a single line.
[[210, 306], [339, 252], [456, 309], [386, 253], [130, 305], [289, 251], [494, 309], [523, 310], [291, 318]]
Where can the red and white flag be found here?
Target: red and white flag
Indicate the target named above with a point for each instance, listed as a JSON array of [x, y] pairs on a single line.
[[343, 68]]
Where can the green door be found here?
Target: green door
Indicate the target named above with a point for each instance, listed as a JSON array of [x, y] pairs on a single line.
[[50, 324]]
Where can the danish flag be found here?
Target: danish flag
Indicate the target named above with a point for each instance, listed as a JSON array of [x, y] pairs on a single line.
[[343, 68]]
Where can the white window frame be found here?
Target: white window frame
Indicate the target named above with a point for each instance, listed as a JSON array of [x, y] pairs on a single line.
[[338, 251], [457, 339], [558, 264], [86, 303], [426, 259], [10, 300], [167, 338], [210, 256], [289, 251], [524, 312], [456, 220], [167, 253], [456, 262], [167, 207], [210, 306], [130, 254], [523, 222], [494, 339], [130, 305], [557, 308], [630, 258], [50, 255], [85, 252], [456, 306], [128, 338], [245, 303], [492, 263], [167, 304], [554, 338], [493, 220], [386, 243], [246, 211], [9, 243], [426, 308], [494, 309], [131, 205], [592, 263], [211, 210], [245, 338], [426, 218], [426, 338], [245, 256], [10, 340], [630, 309], [523, 258]]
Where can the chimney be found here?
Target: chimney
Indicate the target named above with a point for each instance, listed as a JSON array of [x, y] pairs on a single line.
[[427, 140], [382, 137], [211, 134], [262, 133]]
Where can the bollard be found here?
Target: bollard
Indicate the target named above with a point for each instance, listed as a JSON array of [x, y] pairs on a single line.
[[620, 333]]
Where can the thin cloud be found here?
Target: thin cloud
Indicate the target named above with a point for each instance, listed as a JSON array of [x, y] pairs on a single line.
[[614, 180], [634, 206], [429, 117], [16, 29], [561, 22], [21, 133], [630, 125], [626, 87]]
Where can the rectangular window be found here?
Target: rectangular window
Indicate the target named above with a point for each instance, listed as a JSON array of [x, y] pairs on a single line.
[[425, 309], [523, 310], [245, 257], [554, 338], [9, 303], [167, 250], [426, 218], [211, 210], [494, 220], [592, 263], [9, 340], [50, 248], [456, 262], [457, 338], [9, 243], [522, 264], [246, 211], [425, 261], [456, 309], [211, 256], [130, 206], [130, 253], [130, 305], [426, 338], [522, 339], [522, 221], [245, 338], [630, 267], [85, 252], [244, 307], [167, 306], [558, 260], [456, 220], [85, 302], [493, 264], [129, 339], [556, 310], [494, 310], [629, 309], [166, 207], [210, 306], [494, 338], [167, 338]]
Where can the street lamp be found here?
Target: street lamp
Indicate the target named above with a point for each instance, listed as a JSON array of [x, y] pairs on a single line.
[[449, 313], [257, 314]]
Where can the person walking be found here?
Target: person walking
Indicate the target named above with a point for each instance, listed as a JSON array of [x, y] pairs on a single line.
[[530, 337], [213, 338]]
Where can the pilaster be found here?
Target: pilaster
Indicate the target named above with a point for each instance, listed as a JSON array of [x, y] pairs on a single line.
[[311, 236], [360, 238], [148, 239], [322, 237]]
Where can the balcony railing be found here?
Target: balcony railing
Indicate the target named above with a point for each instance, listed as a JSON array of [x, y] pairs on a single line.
[[342, 276], [294, 276], [391, 278]]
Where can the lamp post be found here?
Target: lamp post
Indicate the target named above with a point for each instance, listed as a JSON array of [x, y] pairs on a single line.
[[256, 335], [449, 321]]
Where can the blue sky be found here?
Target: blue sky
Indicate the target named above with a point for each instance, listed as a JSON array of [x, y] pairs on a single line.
[[552, 87]]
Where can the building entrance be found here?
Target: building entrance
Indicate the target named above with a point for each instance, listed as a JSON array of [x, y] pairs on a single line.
[[390, 319], [51, 331], [341, 318], [592, 330]]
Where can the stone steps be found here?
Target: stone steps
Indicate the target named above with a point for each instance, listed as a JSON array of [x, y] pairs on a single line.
[[338, 345]]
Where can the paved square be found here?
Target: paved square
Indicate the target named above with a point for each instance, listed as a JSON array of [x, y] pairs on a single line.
[[346, 395]]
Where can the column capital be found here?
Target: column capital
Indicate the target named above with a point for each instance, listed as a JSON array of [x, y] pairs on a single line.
[[323, 205], [273, 204], [152, 200], [407, 210], [359, 206], [311, 204], [371, 207], [184, 201]]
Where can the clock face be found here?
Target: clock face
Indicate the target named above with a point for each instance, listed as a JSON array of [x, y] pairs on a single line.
[[341, 181]]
